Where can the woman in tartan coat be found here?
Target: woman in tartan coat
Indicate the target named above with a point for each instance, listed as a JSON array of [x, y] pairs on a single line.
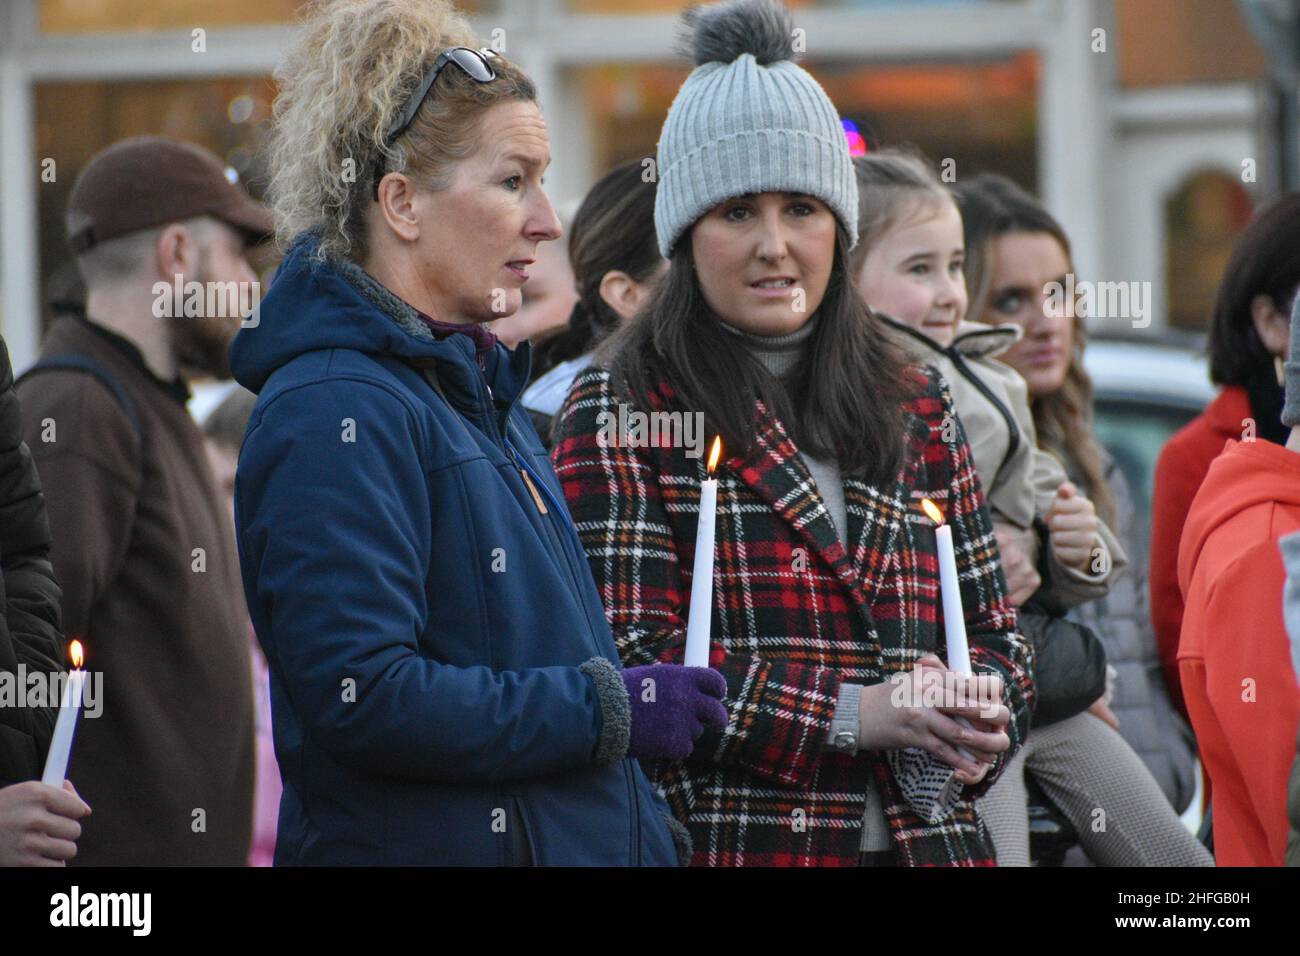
[[826, 583]]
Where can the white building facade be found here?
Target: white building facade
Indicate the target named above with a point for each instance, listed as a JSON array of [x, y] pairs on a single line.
[[1107, 159]]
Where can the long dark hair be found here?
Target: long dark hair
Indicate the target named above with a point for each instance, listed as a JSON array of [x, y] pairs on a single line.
[[1265, 261], [613, 229], [993, 206], [844, 399]]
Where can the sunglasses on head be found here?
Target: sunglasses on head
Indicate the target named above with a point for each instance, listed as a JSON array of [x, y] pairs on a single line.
[[475, 65]]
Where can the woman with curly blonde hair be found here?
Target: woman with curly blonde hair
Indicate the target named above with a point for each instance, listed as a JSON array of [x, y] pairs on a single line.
[[444, 687]]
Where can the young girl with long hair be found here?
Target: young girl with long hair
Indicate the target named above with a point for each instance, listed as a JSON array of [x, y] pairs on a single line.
[[910, 259]]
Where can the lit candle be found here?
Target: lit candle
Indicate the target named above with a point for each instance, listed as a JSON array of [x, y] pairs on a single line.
[[56, 763], [701, 614], [954, 618]]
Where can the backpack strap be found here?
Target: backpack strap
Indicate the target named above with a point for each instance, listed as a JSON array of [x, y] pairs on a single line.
[[73, 362]]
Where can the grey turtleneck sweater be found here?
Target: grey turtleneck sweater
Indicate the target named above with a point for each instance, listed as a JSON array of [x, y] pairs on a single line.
[[779, 354]]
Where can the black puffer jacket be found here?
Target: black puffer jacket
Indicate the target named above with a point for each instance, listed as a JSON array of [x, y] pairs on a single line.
[[1069, 664], [29, 597]]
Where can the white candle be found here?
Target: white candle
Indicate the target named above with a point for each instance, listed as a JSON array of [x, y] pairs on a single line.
[[56, 762], [700, 619], [954, 617]]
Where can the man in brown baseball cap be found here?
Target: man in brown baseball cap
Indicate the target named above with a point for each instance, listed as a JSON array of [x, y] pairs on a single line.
[[151, 181], [132, 208], [141, 539]]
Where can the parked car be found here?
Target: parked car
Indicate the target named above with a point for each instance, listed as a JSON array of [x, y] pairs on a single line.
[[1147, 386]]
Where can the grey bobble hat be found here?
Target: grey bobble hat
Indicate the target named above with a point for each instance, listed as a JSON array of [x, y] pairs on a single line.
[[748, 120], [1291, 408]]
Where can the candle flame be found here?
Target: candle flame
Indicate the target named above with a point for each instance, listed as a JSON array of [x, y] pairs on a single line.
[[77, 654], [715, 453], [931, 509]]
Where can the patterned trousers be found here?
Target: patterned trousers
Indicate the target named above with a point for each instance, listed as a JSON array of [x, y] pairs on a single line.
[[1102, 787]]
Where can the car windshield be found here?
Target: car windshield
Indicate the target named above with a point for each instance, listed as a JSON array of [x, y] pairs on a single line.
[[1135, 432]]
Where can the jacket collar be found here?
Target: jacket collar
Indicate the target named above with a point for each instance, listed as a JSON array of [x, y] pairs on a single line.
[[1226, 410], [484, 340], [973, 339], [476, 353], [322, 302], [177, 389], [977, 340], [775, 472]]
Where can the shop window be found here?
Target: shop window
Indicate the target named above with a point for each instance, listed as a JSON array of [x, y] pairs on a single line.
[[1203, 218], [981, 115], [227, 115], [1171, 42]]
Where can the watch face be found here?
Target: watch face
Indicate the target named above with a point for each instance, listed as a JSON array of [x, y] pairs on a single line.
[[844, 740]]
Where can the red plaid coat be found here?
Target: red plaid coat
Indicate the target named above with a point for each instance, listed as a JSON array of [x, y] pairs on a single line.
[[794, 614]]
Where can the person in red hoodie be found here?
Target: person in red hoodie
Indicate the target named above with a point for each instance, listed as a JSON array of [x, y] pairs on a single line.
[[1248, 340], [1234, 654]]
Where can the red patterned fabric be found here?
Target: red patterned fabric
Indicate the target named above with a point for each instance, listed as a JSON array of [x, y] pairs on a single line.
[[795, 613]]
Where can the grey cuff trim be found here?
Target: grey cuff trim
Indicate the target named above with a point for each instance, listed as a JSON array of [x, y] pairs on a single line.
[[681, 838], [615, 710], [847, 718]]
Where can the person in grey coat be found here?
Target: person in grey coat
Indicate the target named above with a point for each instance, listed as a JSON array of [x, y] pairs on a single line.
[[1140, 702], [1290, 547], [995, 210]]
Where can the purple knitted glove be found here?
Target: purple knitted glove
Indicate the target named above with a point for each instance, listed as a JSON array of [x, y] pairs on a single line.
[[671, 705]]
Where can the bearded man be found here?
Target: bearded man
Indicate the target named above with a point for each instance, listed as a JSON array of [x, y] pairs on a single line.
[[141, 540]]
